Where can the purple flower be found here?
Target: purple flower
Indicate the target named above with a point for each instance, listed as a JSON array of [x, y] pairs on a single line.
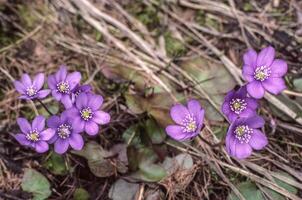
[[34, 135], [238, 104], [78, 90], [244, 135], [263, 72], [62, 84], [189, 120], [65, 134], [86, 113], [31, 89]]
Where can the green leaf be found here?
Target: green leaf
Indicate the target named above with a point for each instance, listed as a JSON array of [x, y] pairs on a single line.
[[156, 133], [53, 108], [220, 131], [56, 164], [214, 79], [150, 173], [92, 151], [95, 155], [35, 183], [298, 84], [144, 159], [123, 190], [275, 195], [284, 185], [249, 191], [101, 167], [174, 46], [81, 194], [132, 136], [146, 156], [182, 161], [134, 103]]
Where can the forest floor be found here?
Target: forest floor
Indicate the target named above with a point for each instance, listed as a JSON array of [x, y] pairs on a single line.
[[142, 56]]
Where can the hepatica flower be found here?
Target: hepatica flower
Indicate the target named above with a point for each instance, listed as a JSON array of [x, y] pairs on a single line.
[[65, 134], [263, 72], [86, 113], [31, 89], [189, 120], [238, 104], [34, 135], [62, 84], [244, 135]]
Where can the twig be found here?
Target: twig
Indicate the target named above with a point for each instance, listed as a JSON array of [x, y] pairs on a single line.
[[8, 196], [292, 93], [208, 143], [141, 192], [6, 73], [87, 8], [232, 3]]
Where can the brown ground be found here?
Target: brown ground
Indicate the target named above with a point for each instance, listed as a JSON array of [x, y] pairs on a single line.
[[111, 39]]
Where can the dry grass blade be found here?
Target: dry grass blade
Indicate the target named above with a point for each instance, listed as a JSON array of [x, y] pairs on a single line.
[[127, 42], [86, 7]]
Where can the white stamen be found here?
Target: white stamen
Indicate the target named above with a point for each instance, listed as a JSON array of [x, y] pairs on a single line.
[[64, 131], [238, 105], [33, 136], [31, 91], [189, 124], [262, 73], [63, 87], [86, 113], [243, 133]]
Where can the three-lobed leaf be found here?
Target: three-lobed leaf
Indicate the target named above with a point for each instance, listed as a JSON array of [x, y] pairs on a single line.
[[35, 183]]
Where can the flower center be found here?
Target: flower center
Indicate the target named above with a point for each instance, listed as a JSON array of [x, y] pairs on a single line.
[[33, 136], [78, 92], [243, 133], [262, 73], [238, 105], [189, 124], [31, 91], [86, 113], [64, 131], [63, 87]]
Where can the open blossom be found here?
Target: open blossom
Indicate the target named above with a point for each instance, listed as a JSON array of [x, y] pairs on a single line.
[[62, 84], [244, 135], [78, 90], [238, 104], [65, 135], [86, 113], [189, 120], [263, 72], [31, 89], [34, 135]]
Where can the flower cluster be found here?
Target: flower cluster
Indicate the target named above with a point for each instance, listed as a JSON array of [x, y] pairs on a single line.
[[82, 112], [263, 73]]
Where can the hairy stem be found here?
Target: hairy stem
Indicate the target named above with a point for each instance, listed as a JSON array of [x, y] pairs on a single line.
[[45, 107]]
